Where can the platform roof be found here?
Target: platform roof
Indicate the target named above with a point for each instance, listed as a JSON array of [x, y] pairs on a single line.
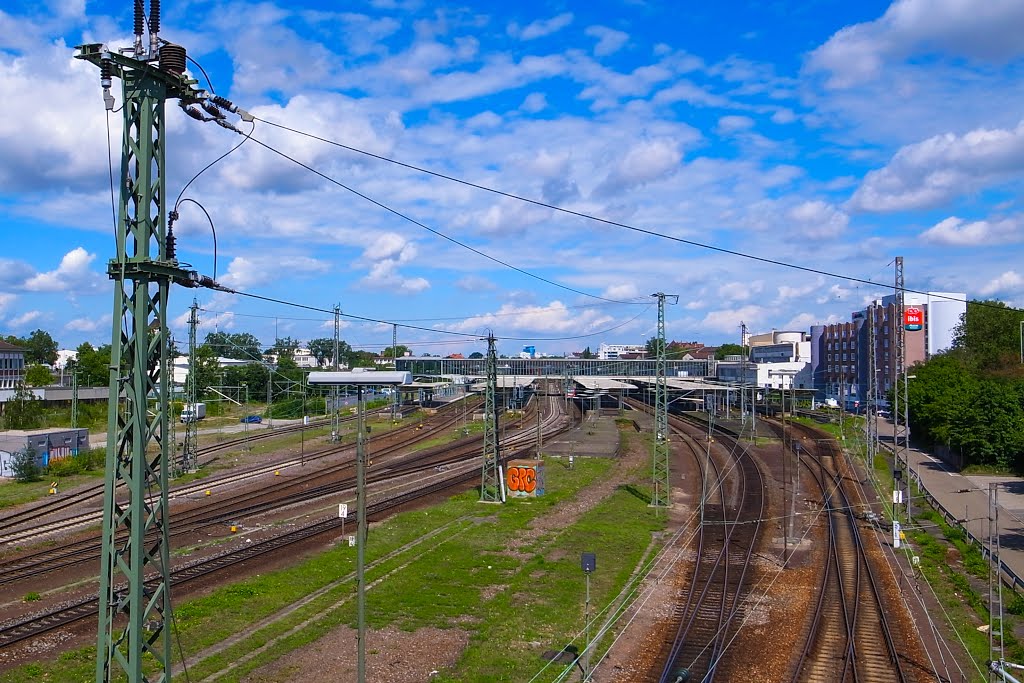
[[603, 383]]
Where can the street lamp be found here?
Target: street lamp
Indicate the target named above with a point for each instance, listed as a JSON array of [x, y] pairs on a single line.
[[360, 380]]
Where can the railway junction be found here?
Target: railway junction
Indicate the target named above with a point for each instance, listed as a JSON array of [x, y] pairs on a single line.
[[764, 566]]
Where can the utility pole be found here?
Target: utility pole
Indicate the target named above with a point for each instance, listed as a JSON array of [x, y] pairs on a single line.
[[900, 414], [540, 438], [490, 484], [335, 390], [394, 355], [662, 483], [190, 449], [134, 592], [995, 581], [74, 395], [872, 395]]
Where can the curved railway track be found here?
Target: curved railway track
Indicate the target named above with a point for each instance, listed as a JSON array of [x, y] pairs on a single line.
[[13, 521], [734, 499], [468, 472], [308, 487], [725, 545], [849, 638]]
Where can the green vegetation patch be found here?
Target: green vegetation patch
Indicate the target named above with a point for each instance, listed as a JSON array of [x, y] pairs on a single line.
[[497, 571]]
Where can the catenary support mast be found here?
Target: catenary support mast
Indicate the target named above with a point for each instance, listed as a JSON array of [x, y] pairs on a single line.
[[490, 484], [134, 595], [190, 447], [901, 433], [662, 482]]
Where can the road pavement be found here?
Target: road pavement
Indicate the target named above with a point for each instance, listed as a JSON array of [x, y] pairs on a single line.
[[965, 499]]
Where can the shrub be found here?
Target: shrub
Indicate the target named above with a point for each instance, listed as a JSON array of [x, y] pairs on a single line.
[[26, 465]]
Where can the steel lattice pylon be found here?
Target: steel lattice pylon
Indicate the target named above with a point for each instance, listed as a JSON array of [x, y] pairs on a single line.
[[190, 447], [335, 391], [900, 412], [872, 393], [490, 484], [134, 595], [662, 483]]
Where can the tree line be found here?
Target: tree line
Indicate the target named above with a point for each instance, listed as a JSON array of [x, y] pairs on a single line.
[[970, 399]]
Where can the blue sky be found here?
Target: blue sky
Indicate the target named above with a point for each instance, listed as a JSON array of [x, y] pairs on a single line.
[[831, 135]]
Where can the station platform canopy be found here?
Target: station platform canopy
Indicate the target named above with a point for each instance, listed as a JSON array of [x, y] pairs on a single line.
[[509, 381], [684, 384], [603, 384]]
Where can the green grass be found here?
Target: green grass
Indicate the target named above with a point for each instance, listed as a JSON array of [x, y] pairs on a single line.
[[520, 588]]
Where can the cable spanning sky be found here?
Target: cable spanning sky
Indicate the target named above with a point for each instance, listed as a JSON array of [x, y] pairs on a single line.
[[830, 135]]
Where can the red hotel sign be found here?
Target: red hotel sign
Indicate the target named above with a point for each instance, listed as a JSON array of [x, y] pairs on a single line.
[[913, 319]]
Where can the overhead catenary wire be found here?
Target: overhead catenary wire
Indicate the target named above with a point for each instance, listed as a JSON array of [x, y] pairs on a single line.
[[467, 335], [433, 231], [598, 219]]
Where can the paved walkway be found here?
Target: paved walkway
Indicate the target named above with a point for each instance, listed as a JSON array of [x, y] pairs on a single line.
[[966, 499]]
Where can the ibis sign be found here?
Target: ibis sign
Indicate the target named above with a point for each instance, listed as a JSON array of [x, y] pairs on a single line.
[[913, 319]]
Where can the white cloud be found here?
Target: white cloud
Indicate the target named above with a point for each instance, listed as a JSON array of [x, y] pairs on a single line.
[[87, 324], [625, 291], [929, 173], [5, 302], [541, 27], [390, 245], [818, 220], [25, 318], [740, 290], [475, 283], [727, 321], [1009, 283], [246, 272], [954, 231], [609, 41], [984, 31], [72, 275], [534, 102], [553, 318], [644, 162], [731, 124]]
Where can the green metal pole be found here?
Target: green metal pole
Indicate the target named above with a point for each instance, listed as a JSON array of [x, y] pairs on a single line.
[[361, 532]]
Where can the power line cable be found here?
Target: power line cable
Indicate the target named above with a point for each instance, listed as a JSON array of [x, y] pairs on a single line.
[[438, 233], [591, 217], [435, 330]]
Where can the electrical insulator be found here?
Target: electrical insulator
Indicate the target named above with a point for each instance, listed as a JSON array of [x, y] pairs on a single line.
[[172, 58], [140, 18], [154, 16], [194, 113], [171, 242], [211, 109], [105, 79]]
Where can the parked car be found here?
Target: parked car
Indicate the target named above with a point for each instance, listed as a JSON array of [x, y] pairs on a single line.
[[252, 419], [884, 414]]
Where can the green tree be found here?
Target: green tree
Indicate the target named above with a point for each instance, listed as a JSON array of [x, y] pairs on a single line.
[[475, 355], [25, 464], [37, 375], [989, 335], [240, 345], [587, 353], [389, 352], [730, 350], [362, 359], [40, 348], [323, 350], [206, 368], [24, 410], [93, 365]]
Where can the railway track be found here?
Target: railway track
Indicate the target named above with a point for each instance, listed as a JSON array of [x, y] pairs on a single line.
[[726, 540], [314, 485], [732, 506], [13, 522], [467, 472], [849, 638]]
